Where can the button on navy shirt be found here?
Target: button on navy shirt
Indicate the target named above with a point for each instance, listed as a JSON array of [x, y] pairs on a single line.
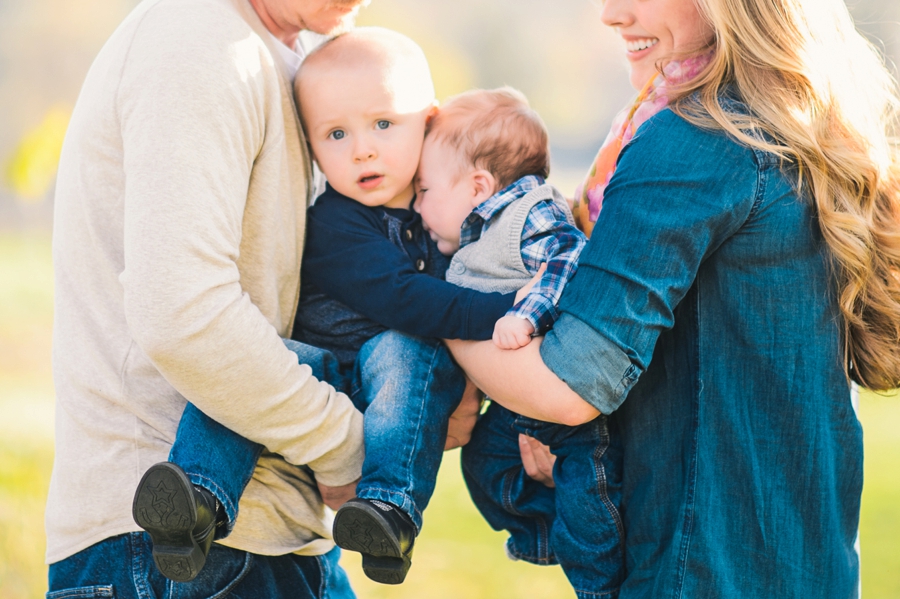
[[369, 269]]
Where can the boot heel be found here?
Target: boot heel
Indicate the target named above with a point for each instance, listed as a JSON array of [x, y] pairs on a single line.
[[386, 570]]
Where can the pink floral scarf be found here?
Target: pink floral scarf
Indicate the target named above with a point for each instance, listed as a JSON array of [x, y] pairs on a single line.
[[652, 99]]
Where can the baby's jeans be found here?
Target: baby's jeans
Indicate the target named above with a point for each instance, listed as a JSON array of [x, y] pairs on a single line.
[[406, 386], [576, 524]]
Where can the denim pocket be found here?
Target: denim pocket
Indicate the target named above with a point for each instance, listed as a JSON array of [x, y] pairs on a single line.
[[83, 593], [225, 568]]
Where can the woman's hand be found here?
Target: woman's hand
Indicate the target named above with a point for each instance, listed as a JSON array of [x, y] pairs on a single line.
[[537, 460], [462, 420]]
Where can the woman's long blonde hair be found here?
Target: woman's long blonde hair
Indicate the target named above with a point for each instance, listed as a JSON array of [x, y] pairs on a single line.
[[826, 103]]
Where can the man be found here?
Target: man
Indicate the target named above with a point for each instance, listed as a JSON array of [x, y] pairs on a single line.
[[180, 212]]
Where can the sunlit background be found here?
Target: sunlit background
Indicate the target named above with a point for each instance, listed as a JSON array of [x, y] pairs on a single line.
[[574, 73]]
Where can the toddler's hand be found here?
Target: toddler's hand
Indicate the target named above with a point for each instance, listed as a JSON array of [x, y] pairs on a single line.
[[512, 332]]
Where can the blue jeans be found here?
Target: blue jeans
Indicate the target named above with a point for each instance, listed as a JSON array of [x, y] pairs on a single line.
[[122, 568], [407, 387], [577, 524]]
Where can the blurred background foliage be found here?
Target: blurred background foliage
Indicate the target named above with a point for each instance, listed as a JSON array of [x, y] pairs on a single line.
[[573, 71]]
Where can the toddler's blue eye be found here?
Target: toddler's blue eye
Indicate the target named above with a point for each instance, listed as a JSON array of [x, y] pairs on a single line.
[[383, 124], [337, 134]]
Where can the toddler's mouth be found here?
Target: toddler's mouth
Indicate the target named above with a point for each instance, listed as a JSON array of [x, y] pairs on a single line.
[[369, 180]]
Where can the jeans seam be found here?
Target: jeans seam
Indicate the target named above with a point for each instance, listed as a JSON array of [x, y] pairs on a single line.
[[581, 593], [600, 473], [138, 566], [532, 559], [248, 564], [323, 571], [420, 412], [543, 535]]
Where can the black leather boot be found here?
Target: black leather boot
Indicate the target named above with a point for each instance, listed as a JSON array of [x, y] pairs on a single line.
[[382, 533], [180, 518]]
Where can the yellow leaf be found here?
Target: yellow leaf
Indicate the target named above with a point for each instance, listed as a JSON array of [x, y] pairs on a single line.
[[32, 168]]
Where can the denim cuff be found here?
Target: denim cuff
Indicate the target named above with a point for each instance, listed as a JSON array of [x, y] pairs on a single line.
[[589, 363]]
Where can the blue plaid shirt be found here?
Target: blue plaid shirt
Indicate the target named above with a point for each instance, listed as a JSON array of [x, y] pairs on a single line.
[[547, 238]]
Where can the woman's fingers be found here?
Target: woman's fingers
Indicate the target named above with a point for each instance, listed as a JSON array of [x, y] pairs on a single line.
[[463, 419], [537, 460]]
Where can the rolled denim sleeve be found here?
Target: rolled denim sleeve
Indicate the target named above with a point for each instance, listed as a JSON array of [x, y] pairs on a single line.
[[667, 208]]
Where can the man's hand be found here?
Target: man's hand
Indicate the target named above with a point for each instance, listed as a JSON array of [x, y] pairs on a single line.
[[512, 332], [334, 497], [537, 460], [462, 420]]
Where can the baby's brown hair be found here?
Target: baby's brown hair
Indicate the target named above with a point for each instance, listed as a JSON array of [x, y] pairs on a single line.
[[495, 130]]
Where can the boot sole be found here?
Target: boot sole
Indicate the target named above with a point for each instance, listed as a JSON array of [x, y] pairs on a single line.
[[164, 507], [359, 527]]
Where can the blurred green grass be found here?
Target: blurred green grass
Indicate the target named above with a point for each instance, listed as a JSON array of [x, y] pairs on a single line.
[[457, 554]]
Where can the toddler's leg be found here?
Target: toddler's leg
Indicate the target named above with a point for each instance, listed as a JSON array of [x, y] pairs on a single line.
[[587, 536], [504, 494], [411, 387], [191, 499]]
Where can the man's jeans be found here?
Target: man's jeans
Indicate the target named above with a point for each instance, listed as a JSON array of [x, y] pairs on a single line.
[[122, 568], [407, 387], [577, 524]]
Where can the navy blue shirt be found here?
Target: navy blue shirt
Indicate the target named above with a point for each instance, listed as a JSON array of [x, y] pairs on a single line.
[[704, 318], [370, 269]]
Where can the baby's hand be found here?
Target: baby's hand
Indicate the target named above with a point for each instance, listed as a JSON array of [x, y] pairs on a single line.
[[512, 332]]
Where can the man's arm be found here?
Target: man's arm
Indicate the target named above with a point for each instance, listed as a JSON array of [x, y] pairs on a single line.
[[194, 119]]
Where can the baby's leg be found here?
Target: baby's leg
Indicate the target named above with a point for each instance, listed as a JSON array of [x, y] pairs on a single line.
[[587, 537], [411, 387], [501, 490], [192, 498]]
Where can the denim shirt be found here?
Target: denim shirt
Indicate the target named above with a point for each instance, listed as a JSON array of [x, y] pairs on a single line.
[[703, 317]]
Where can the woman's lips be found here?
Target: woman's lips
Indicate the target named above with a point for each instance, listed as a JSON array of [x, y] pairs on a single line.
[[639, 47], [370, 180]]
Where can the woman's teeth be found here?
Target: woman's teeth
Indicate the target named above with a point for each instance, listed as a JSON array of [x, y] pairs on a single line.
[[638, 45]]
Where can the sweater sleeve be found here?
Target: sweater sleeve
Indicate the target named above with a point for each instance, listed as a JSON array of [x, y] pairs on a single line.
[[193, 119], [348, 258]]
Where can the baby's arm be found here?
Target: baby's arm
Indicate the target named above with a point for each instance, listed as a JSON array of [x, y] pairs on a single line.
[[549, 239], [350, 260]]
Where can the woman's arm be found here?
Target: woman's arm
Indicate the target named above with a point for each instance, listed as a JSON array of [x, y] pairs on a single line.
[[520, 381]]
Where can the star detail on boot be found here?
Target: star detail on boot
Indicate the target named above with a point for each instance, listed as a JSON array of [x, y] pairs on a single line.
[[360, 534], [162, 495]]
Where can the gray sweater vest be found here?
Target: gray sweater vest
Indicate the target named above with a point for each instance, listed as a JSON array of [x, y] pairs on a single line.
[[494, 261]]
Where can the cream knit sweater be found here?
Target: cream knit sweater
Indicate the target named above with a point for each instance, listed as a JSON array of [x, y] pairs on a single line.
[[180, 212]]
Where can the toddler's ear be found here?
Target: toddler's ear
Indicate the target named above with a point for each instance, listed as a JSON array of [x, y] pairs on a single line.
[[432, 112]]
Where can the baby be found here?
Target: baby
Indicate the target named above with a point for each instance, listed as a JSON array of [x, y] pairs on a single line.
[[482, 198]]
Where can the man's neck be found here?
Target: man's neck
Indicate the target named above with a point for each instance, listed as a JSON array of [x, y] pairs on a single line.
[[285, 33]]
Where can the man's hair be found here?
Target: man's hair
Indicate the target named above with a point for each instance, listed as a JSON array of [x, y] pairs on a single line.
[[495, 130]]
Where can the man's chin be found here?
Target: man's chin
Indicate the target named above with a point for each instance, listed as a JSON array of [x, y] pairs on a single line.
[[343, 26]]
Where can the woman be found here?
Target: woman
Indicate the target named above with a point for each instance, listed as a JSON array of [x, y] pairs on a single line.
[[742, 270]]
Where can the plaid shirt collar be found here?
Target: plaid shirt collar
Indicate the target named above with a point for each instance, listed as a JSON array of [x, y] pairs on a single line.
[[474, 224]]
